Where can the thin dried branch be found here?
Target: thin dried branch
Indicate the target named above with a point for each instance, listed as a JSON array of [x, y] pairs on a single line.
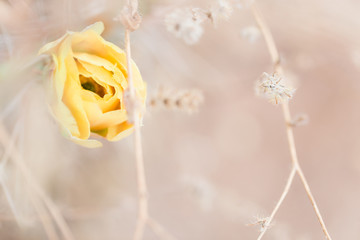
[[274, 53], [44, 217], [53, 209], [134, 113]]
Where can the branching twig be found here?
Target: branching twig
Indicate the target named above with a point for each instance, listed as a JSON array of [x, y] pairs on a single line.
[[274, 53]]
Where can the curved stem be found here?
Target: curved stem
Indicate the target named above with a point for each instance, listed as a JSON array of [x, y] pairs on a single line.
[[278, 204], [274, 53]]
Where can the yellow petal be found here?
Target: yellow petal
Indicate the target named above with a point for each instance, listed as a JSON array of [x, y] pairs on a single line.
[[72, 98], [100, 74], [105, 104], [92, 43], [99, 120], [89, 143], [64, 77], [64, 117], [120, 131], [90, 59], [97, 27], [52, 46], [60, 57]]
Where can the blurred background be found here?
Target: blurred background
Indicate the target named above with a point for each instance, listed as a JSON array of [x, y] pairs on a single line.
[[210, 173]]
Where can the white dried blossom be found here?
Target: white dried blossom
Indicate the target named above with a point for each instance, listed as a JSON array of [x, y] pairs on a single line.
[[200, 15], [261, 221], [270, 86], [185, 25], [251, 33], [222, 9]]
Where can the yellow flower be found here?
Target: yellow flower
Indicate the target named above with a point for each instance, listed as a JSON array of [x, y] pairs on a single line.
[[88, 84]]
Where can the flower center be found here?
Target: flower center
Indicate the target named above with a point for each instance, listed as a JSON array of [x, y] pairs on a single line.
[[91, 85]]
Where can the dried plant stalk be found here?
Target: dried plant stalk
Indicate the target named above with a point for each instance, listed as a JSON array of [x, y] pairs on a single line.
[[38, 206], [274, 53], [141, 180], [44, 217], [131, 20], [52, 208]]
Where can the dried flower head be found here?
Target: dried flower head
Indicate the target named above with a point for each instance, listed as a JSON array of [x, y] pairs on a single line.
[[222, 9], [129, 18], [261, 221], [185, 24], [175, 99], [270, 87]]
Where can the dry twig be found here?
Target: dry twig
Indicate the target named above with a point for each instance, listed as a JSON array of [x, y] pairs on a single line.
[[290, 135], [131, 20], [54, 211]]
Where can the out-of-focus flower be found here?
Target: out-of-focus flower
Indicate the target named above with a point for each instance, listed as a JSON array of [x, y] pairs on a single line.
[[188, 100], [185, 24], [251, 33], [222, 9], [88, 85], [270, 87]]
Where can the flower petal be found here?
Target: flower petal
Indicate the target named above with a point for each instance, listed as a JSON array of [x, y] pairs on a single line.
[[99, 120], [97, 27], [120, 131], [51, 46], [90, 59], [89, 143], [71, 118]]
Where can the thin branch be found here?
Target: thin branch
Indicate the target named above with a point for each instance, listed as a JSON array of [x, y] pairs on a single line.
[[7, 40], [159, 230], [141, 179], [131, 20], [4, 160], [39, 208], [278, 204], [44, 217], [274, 53], [54, 211]]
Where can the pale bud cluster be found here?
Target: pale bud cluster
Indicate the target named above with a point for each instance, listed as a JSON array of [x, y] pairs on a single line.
[[187, 100], [270, 87], [183, 24], [130, 18], [187, 24]]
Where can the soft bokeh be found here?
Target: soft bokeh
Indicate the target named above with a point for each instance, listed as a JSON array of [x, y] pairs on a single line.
[[212, 172]]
